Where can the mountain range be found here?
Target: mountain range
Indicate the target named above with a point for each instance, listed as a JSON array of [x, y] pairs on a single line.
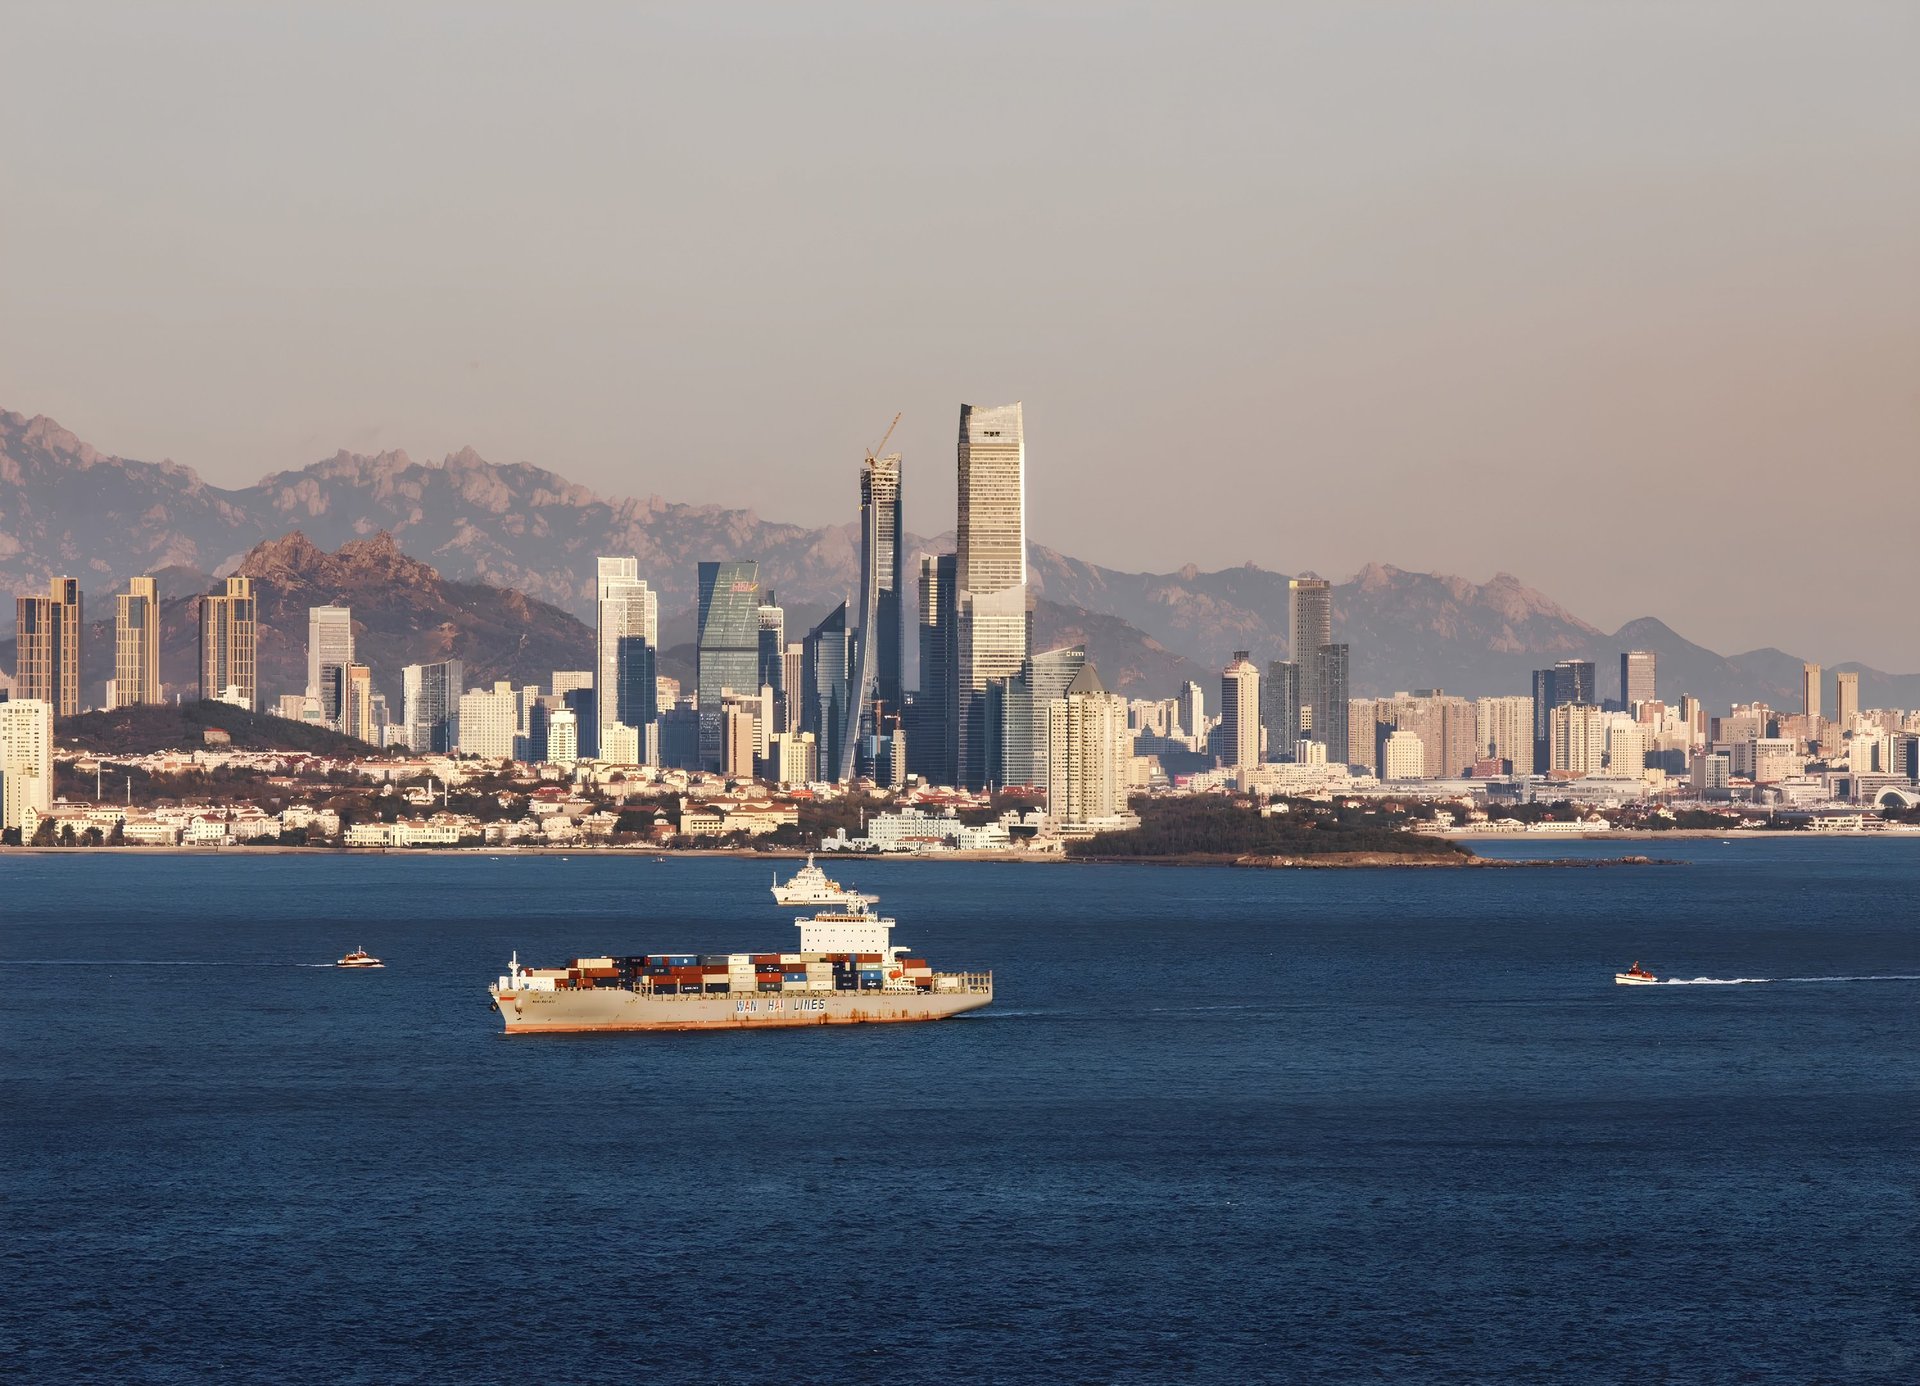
[[460, 529]]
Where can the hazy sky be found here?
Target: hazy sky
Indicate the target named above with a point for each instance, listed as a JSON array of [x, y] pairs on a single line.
[[1621, 298]]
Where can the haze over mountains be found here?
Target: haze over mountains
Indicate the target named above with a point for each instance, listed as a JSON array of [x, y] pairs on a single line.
[[464, 528]]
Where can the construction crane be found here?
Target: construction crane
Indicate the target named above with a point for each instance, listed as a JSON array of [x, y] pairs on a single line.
[[874, 451]]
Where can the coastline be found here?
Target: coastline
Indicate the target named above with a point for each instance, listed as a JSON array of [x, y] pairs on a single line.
[[1319, 861]]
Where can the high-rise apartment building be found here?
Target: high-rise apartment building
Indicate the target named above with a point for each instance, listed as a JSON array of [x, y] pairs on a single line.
[[563, 736], [626, 639], [430, 704], [728, 644], [1448, 729], [228, 644], [329, 654], [136, 644], [1638, 678], [1810, 697], [1846, 698], [796, 758], [993, 630], [46, 660], [26, 759], [1577, 740], [1626, 747], [1403, 756], [1240, 713], [485, 722], [1504, 731], [1088, 754], [1363, 746]]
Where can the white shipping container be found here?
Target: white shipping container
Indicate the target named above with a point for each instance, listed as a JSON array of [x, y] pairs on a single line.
[[822, 984], [739, 959], [792, 957]]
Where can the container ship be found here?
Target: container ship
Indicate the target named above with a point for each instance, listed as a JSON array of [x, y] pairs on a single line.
[[847, 971]]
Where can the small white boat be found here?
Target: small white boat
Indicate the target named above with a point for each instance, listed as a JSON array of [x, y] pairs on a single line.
[[359, 957], [811, 886], [1635, 976]]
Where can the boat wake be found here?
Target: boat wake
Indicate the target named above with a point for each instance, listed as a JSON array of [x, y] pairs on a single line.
[[1774, 981]]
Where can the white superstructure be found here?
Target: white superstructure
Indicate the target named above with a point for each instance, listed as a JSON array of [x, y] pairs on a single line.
[[812, 886]]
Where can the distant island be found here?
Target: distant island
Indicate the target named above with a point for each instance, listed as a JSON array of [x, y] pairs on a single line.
[[1214, 829]]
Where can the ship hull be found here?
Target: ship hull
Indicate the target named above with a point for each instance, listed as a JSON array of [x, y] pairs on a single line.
[[610, 1009]]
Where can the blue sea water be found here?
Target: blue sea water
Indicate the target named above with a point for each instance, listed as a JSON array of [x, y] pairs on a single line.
[[1220, 1125]]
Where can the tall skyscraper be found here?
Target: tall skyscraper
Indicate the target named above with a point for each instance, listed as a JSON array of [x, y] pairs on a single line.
[[136, 644], [26, 759], [430, 704], [827, 687], [1309, 626], [1637, 678], [1017, 715], [877, 640], [1309, 616], [994, 630], [1240, 713], [931, 738], [773, 643], [46, 663], [1574, 682], [358, 721], [728, 648], [1330, 682], [793, 668], [1193, 713], [329, 655], [1280, 709], [1568, 683], [626, 641], [228, 636], [1846, 698], [1810, 697]]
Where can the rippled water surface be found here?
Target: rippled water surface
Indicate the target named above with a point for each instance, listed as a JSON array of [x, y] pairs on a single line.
[[1220, 1124]]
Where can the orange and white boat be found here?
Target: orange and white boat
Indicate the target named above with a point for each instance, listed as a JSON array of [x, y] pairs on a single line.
[[359, 957], [1635, 976]]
